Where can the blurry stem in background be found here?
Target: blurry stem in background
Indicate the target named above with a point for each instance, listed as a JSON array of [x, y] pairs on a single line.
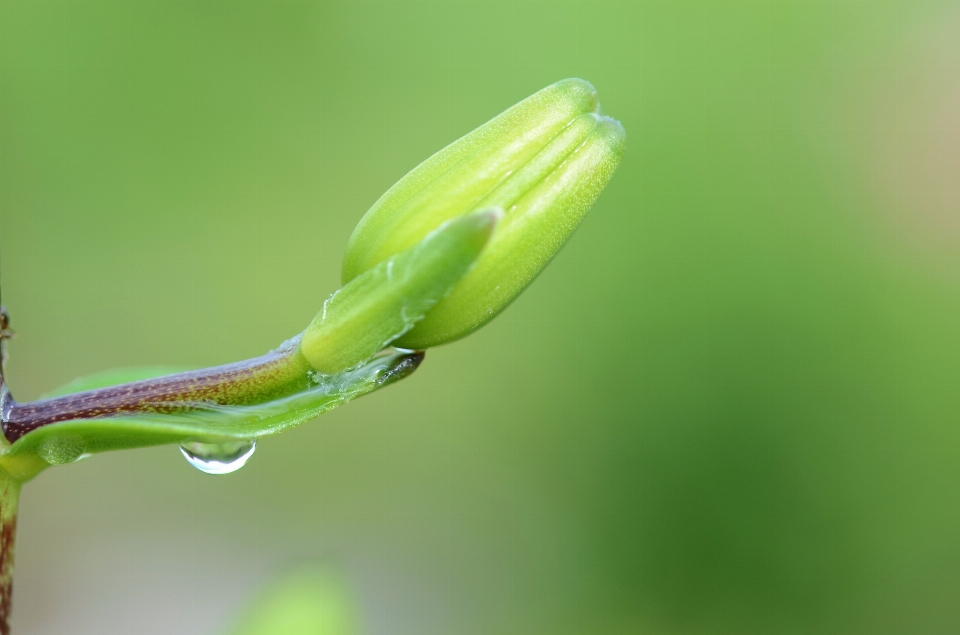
[[9, 497]]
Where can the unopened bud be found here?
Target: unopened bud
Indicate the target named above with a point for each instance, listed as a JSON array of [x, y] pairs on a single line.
[[544, 161]]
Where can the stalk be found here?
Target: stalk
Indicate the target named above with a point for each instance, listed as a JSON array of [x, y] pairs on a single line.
[[9, 497], [277, 374], [282, 373]]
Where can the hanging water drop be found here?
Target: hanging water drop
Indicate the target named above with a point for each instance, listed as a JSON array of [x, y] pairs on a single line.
[[218, 458]]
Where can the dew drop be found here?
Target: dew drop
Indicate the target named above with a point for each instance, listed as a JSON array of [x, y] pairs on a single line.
[[218, 458]]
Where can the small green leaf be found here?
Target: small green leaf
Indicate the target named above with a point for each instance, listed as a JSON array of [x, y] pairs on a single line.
[[387, 301]]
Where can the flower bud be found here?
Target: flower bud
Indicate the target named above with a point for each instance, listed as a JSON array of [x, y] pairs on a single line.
[[544, 161]]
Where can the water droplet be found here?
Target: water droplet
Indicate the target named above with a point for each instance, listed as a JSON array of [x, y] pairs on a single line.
[[218, 458]]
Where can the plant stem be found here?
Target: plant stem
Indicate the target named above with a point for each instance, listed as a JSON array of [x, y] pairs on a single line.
[[9, 497], [277, 374], [271, 376]]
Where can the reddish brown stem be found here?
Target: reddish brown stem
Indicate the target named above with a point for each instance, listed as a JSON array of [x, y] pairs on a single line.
[[271, 376], [9, 497]]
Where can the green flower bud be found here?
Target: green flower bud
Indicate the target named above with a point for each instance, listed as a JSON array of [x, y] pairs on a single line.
[[545, 161], [375, 308]]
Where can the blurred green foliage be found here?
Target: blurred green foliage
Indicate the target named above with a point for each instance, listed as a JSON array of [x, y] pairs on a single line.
[[305, 601], [730, 405]]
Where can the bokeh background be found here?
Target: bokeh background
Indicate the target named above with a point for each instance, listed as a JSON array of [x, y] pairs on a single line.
[[730, 405]]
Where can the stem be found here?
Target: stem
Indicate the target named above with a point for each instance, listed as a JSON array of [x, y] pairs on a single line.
[[277, 374], [9, 497], [271, 376]]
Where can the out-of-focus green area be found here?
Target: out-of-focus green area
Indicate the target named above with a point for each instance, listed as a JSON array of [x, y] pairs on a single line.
[[305, 601], [731, 405]]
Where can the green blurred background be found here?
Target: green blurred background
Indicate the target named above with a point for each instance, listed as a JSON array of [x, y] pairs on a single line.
[[731, 404]]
